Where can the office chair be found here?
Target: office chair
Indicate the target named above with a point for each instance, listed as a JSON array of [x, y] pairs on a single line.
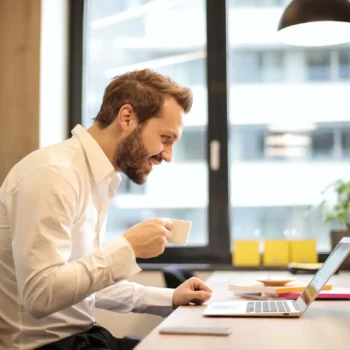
[[174, 276]]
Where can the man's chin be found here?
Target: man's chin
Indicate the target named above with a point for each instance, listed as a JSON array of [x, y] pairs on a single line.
[[138, 179]]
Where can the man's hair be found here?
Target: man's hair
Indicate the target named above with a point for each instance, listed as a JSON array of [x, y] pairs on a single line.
[[145, 90]]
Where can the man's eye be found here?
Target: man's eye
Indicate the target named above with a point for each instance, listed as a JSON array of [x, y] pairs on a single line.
[[165, 138]]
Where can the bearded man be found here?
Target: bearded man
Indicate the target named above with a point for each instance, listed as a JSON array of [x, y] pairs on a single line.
[[53, 205]]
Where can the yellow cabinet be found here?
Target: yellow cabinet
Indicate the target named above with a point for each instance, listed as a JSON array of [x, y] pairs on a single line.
[[303, 251], [276, 252], [246, 253]]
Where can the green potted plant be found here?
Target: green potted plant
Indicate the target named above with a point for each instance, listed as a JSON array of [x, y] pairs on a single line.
[[335, 208]]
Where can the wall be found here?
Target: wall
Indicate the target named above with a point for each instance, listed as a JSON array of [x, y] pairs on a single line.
[[19, 87], [137, 324], [54, 71]]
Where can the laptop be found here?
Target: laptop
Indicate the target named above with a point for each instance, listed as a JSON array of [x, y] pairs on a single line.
[[285, 308]]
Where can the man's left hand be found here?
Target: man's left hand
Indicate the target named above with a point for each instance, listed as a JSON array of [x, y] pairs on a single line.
[[191, 291]]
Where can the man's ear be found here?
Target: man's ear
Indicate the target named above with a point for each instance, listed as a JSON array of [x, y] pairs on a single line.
[[126, 116]]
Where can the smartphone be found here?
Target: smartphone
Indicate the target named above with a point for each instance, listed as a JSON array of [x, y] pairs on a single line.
[[196, 330]]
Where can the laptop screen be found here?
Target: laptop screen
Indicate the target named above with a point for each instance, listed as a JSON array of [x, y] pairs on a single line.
[[324, 274]]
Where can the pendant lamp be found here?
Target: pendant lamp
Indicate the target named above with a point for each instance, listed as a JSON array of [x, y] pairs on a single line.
[[315, 23]]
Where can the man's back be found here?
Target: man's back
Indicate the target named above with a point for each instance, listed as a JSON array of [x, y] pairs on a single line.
[[53, 207], [15, 320]]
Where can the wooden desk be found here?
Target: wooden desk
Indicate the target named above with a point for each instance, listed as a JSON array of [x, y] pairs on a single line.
[[325, 325]]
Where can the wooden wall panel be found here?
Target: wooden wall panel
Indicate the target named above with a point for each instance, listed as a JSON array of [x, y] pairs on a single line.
[[19, 80]]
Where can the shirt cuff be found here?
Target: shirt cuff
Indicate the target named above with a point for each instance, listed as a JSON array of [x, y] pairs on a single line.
[[121, 258]]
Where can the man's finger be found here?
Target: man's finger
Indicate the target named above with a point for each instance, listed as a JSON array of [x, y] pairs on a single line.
[[168, 224], [199, 297], [168, 235], [197, 284]]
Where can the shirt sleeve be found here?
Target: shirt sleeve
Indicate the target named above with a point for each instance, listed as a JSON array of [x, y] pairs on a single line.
[[42, 209], [127, 296]]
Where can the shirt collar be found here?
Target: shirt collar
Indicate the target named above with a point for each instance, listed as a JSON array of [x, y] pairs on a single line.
[[100, 165]]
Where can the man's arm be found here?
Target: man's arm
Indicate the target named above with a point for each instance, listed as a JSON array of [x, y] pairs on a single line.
[[127, 296], [42, 209], [133, 297]]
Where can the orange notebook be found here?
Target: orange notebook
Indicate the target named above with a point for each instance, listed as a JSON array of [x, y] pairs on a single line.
[[334, 294], [271, 290]]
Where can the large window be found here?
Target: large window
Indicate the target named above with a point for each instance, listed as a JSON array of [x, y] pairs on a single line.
[[169, 37], [269, 128], [125, 35]]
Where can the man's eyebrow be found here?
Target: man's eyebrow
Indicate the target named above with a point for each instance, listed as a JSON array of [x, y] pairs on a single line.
[[173, 134]]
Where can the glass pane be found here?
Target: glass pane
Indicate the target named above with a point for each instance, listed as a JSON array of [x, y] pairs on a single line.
[[257, 66], [289, 126], [344, 65], [318, 65], [125, 35]]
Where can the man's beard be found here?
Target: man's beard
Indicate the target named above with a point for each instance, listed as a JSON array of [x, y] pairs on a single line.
[[131, 157]]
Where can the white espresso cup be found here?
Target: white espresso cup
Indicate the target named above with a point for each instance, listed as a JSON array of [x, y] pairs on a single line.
[[180, 231]]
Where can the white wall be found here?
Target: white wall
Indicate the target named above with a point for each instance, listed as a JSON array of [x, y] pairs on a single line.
[[54, 71]]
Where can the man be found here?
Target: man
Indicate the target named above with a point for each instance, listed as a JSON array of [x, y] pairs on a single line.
[[53, 206]]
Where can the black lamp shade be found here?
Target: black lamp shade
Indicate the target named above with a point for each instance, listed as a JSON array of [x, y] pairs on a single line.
[[316, 22]]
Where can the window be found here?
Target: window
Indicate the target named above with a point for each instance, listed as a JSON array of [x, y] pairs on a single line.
[[328, 65], [318, 66], [247, 142], [125, 35], [323, 143], [284, 141], [257, 66], [345, 134], [278, 114], [344, 65], [133, 41], [276, 222]]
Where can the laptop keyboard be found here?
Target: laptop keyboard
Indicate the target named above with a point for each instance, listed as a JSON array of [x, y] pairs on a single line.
[[267, 306]]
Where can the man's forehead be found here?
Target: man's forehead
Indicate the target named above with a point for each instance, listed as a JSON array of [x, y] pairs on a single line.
[[171, 119]]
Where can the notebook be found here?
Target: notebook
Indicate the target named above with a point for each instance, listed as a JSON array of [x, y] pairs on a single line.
[[334, 294]]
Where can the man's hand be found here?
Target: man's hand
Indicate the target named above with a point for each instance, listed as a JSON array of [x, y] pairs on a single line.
[[191, 291], [149, 237]]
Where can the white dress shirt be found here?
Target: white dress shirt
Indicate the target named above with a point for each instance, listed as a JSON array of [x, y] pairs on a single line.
[[53, 269]]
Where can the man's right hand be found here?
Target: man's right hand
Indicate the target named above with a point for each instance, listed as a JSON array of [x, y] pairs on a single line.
[[149, 237]]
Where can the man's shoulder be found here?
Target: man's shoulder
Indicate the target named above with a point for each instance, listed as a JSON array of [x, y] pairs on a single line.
[[65, 159]]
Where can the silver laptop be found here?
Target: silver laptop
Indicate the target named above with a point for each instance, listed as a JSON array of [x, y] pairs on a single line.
[[285, 308]]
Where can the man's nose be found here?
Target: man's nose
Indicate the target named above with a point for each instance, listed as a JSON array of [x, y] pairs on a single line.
[[167, 154]]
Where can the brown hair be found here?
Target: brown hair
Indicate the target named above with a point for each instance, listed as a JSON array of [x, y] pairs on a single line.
[[145, 91]]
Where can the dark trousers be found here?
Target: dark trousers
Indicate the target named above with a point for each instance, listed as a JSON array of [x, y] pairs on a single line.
[[96, 338]]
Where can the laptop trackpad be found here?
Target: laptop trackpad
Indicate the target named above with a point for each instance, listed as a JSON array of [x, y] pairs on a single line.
[[226, 308]]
